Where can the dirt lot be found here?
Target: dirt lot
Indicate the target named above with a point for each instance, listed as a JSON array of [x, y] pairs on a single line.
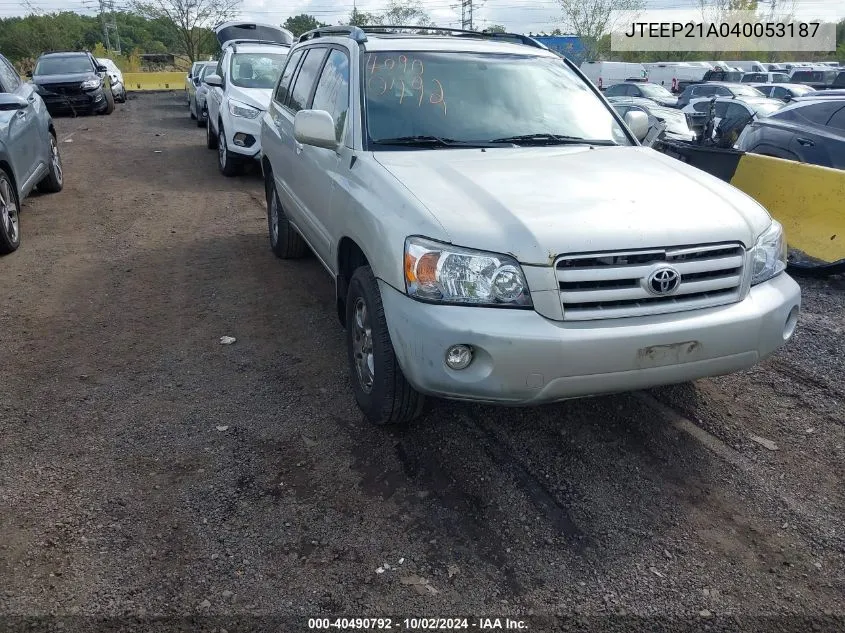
[[148, 471]]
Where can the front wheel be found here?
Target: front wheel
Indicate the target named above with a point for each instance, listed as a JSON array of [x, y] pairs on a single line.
[[54, 180], [109, 102], [192, 107], [229, 164], [10, 232], [381, 389]]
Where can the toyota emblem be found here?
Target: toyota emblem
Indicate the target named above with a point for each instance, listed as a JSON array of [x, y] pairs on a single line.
[[663, 281]]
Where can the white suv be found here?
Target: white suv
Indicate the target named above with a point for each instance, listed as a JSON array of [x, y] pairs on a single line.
[[490, 225], [239, 91]]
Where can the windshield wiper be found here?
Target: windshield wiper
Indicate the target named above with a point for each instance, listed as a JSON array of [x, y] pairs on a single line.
[[433, 141], [550, 139]]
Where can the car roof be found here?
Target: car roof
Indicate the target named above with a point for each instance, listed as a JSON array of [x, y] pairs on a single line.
[[65, 54]]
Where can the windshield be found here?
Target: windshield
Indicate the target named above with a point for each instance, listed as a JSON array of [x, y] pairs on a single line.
[[765, 109], [474, 97], [70, 65], [207, 70], [653, 90], [256, 70]]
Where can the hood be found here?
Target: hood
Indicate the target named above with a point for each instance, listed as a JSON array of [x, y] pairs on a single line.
[[43, 80], [670, 102], [256, 97], [537, 203]]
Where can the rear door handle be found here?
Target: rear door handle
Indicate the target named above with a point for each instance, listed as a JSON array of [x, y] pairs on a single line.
[[805, 142]]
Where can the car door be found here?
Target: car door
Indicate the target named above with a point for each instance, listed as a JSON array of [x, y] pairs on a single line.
[[26, 145], [297, 180], [325, 202], [215, 94], [809, 142], [277, 131]]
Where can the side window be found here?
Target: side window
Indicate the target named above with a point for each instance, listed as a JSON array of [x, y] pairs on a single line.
[[820, 113], [838, 120], [778, 93], [736, 111], [332, 94], [305, 78], [8, 76], [283, 88], [721, 109], [219, 70]]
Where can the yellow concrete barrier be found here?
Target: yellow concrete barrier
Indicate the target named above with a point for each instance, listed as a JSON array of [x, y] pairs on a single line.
[[154, 81], [808, 200]]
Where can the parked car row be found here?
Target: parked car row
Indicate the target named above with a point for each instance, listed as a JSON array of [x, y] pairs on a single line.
[[809, 130], [677, 76], [29, 151], [454, 186]]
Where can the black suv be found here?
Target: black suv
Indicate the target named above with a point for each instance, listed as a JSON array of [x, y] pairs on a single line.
[[73, 83]]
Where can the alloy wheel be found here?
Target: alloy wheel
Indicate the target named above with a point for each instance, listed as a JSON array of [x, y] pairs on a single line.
[[362, 342]]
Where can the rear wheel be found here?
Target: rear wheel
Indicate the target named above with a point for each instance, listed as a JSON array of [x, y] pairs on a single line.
[[210, 136], [192, 105], [54, 180], [381, 389], [285, 242], [10, 232]]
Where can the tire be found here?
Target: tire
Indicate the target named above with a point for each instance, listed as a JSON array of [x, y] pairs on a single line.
[[229, 165], [109, 102], [381, 389], [191, 108], [285, 242], [10, 228], [201, 122], [210, 136], [54, 180]]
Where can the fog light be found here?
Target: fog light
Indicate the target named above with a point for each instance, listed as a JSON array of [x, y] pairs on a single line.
[[459, 356], [244, 140]]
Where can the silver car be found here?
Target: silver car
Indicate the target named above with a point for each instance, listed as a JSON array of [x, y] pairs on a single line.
[[491, 227], [29, 153], [194, 84], [200, 108]]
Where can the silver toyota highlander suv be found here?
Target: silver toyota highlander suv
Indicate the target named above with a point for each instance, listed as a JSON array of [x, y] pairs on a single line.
[[487, 218]]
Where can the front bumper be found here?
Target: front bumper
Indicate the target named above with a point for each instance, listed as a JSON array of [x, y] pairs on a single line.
[[248, 131], [521, 357], [87, 101]]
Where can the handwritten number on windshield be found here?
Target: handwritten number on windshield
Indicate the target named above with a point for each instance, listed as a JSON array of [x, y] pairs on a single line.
[[400, 66]]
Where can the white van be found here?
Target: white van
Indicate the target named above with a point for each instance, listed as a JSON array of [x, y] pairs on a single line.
[[670, 74], [750, 66], [604, 74]]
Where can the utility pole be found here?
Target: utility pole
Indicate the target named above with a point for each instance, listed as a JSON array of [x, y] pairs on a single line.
[[109, 25], [467, 8]]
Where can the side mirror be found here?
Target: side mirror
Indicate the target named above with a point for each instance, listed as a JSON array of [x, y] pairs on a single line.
[[102, 69], [29, 74], [214, 80], [638, 123], [10, 101], [315, 127]]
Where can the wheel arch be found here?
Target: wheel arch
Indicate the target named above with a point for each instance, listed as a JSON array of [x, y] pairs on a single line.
[[350, 256], [7, 167]]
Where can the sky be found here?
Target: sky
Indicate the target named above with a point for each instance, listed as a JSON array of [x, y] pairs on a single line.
[[520, 16]]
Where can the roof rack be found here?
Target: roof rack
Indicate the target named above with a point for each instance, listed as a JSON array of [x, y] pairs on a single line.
[[354, 32], [359, 33]]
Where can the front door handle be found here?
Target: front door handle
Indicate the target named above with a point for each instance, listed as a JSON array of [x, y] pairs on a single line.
[[298, 146], [805, 142]]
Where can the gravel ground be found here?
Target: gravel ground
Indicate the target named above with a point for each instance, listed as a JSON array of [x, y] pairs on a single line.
[[149, 475]]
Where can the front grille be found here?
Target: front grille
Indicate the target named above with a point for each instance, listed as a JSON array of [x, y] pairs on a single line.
[[64, 89], [616, 284]]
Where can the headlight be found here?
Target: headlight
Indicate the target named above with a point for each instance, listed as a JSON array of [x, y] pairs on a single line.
[[769, 255], [448, 274], [91, 84], [236, 108]]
